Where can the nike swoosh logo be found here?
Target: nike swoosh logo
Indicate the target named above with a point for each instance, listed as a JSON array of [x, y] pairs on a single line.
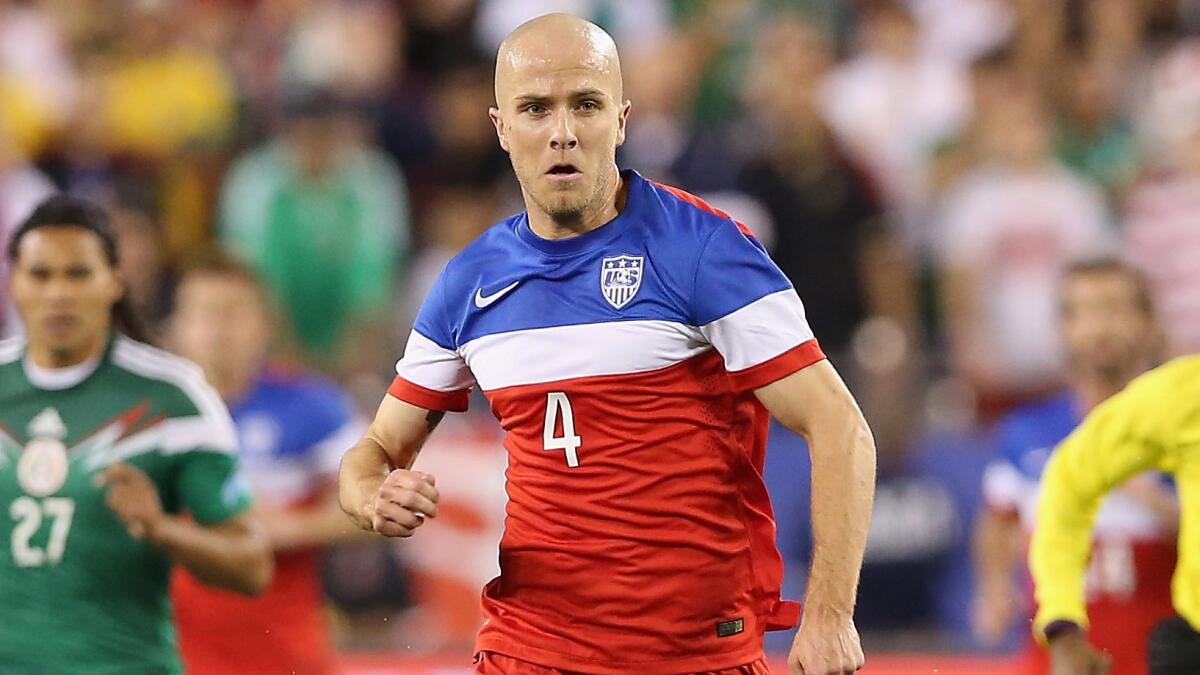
[[482, 300]]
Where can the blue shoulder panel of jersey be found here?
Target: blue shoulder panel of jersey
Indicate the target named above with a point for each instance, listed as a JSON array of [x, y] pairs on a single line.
[[1028, 434], [663, 257], [287, 414]]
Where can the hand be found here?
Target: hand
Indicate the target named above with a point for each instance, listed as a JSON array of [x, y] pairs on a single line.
[[826, 645], [402, 504], [993, 612], [1070, 654], [133, 498]]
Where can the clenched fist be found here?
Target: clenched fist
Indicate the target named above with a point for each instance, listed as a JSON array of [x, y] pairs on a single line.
[[132, 497], [402, 504]]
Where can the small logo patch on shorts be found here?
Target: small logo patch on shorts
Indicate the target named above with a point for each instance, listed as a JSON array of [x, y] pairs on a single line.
[[732, 627]]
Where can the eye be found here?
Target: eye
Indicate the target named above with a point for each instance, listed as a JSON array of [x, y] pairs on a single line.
[[79, 273], [533, 108], [589, 106]]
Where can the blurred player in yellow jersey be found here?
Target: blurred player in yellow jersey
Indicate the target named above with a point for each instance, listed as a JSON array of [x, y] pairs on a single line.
[[1153, 424]]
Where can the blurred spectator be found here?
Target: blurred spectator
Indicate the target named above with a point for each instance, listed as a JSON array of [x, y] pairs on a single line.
[[348, 47], [829, 235], [1091, 136], [891, 106], [1006, 232], [161, 95], [962, 30], [1110, 337], [630, 23], [149, 277], [1163, 236], [37, 80], [22, 187], [661, 78], [323, 216], [292, 430]]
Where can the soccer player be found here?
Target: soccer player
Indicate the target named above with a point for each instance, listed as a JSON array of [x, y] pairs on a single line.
[[1110, 336], [104, 443], [1154, 423], [632, 341], [292, 429]]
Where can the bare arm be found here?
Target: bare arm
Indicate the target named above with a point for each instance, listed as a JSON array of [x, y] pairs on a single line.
[[381, 461], [815, 403], [233, 555], [320, 524], [998, 550]]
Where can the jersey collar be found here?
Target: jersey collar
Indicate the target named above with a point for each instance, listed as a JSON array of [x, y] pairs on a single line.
[[56, 379]]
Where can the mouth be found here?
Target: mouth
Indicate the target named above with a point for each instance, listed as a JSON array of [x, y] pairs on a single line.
[[563, 171], [58, 323]]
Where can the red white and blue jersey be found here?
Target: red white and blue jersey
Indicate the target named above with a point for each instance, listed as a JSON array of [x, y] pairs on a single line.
[[622, 363], [292, 430]]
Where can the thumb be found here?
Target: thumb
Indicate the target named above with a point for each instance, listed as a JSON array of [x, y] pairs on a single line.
[[115, 473], [428, 477]]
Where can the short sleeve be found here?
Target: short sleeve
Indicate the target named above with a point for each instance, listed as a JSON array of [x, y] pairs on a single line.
[[210, 486], [1003, 481], [340, 429], [747, 309], [432, 374]]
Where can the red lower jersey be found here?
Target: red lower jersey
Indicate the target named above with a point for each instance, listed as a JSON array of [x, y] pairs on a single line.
[[282, 631], [1129, 592]]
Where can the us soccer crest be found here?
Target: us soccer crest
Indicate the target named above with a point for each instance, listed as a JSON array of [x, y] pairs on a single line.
[[620, 279], [43, 466]]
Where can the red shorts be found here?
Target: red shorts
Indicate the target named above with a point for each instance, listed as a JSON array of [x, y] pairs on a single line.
[[491, 663]]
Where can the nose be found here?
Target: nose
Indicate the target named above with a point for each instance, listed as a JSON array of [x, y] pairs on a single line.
[[563, 137]]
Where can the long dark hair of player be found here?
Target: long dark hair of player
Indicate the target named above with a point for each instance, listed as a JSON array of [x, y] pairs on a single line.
[[66, 211]]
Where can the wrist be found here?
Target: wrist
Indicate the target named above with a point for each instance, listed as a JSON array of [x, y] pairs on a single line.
[[158, 529], [1062, 631]]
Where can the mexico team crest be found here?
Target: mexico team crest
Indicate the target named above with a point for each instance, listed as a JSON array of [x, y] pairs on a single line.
[[620, 279]]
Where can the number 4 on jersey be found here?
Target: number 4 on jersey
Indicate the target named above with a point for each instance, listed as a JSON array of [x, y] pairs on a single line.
[[558, 405]]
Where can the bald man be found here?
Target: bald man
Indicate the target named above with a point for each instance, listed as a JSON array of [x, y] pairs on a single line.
[[632, 341]]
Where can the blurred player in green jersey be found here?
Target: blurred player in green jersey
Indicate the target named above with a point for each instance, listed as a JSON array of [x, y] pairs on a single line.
[[116, 461]]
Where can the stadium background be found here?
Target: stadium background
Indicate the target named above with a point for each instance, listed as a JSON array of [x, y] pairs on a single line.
[[923, 170]]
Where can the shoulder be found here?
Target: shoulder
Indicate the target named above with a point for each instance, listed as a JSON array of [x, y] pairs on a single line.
[[1174, 384], [684, 216], [497, 247], [306, 394], [178, 383], [11, 350]]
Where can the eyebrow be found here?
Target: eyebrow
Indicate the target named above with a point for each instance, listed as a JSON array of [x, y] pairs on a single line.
[[543, 98]]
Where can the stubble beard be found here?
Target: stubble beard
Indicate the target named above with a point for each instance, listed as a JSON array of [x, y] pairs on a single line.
[[569, 212]]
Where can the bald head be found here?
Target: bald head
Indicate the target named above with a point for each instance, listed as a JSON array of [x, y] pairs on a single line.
[[556, 43]]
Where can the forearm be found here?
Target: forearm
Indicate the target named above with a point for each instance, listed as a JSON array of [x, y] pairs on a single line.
[[997, 550], [313, 527], [843, 491], [235, 557], [363, 470]]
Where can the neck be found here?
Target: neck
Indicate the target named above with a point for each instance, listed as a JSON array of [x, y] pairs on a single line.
[[591, 217], [231, 386], [1094, 388], [48, 357]]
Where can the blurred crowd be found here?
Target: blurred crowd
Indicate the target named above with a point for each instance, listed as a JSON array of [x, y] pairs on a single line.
[[922, 170]]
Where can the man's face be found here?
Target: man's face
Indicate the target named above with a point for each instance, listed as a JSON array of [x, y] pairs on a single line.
[[64, 289], [221, 323], [1105, 328], [560, 118]]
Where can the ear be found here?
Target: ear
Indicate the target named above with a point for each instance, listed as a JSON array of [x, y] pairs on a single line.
[[498, 122], [622, 118], [117, 287]]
